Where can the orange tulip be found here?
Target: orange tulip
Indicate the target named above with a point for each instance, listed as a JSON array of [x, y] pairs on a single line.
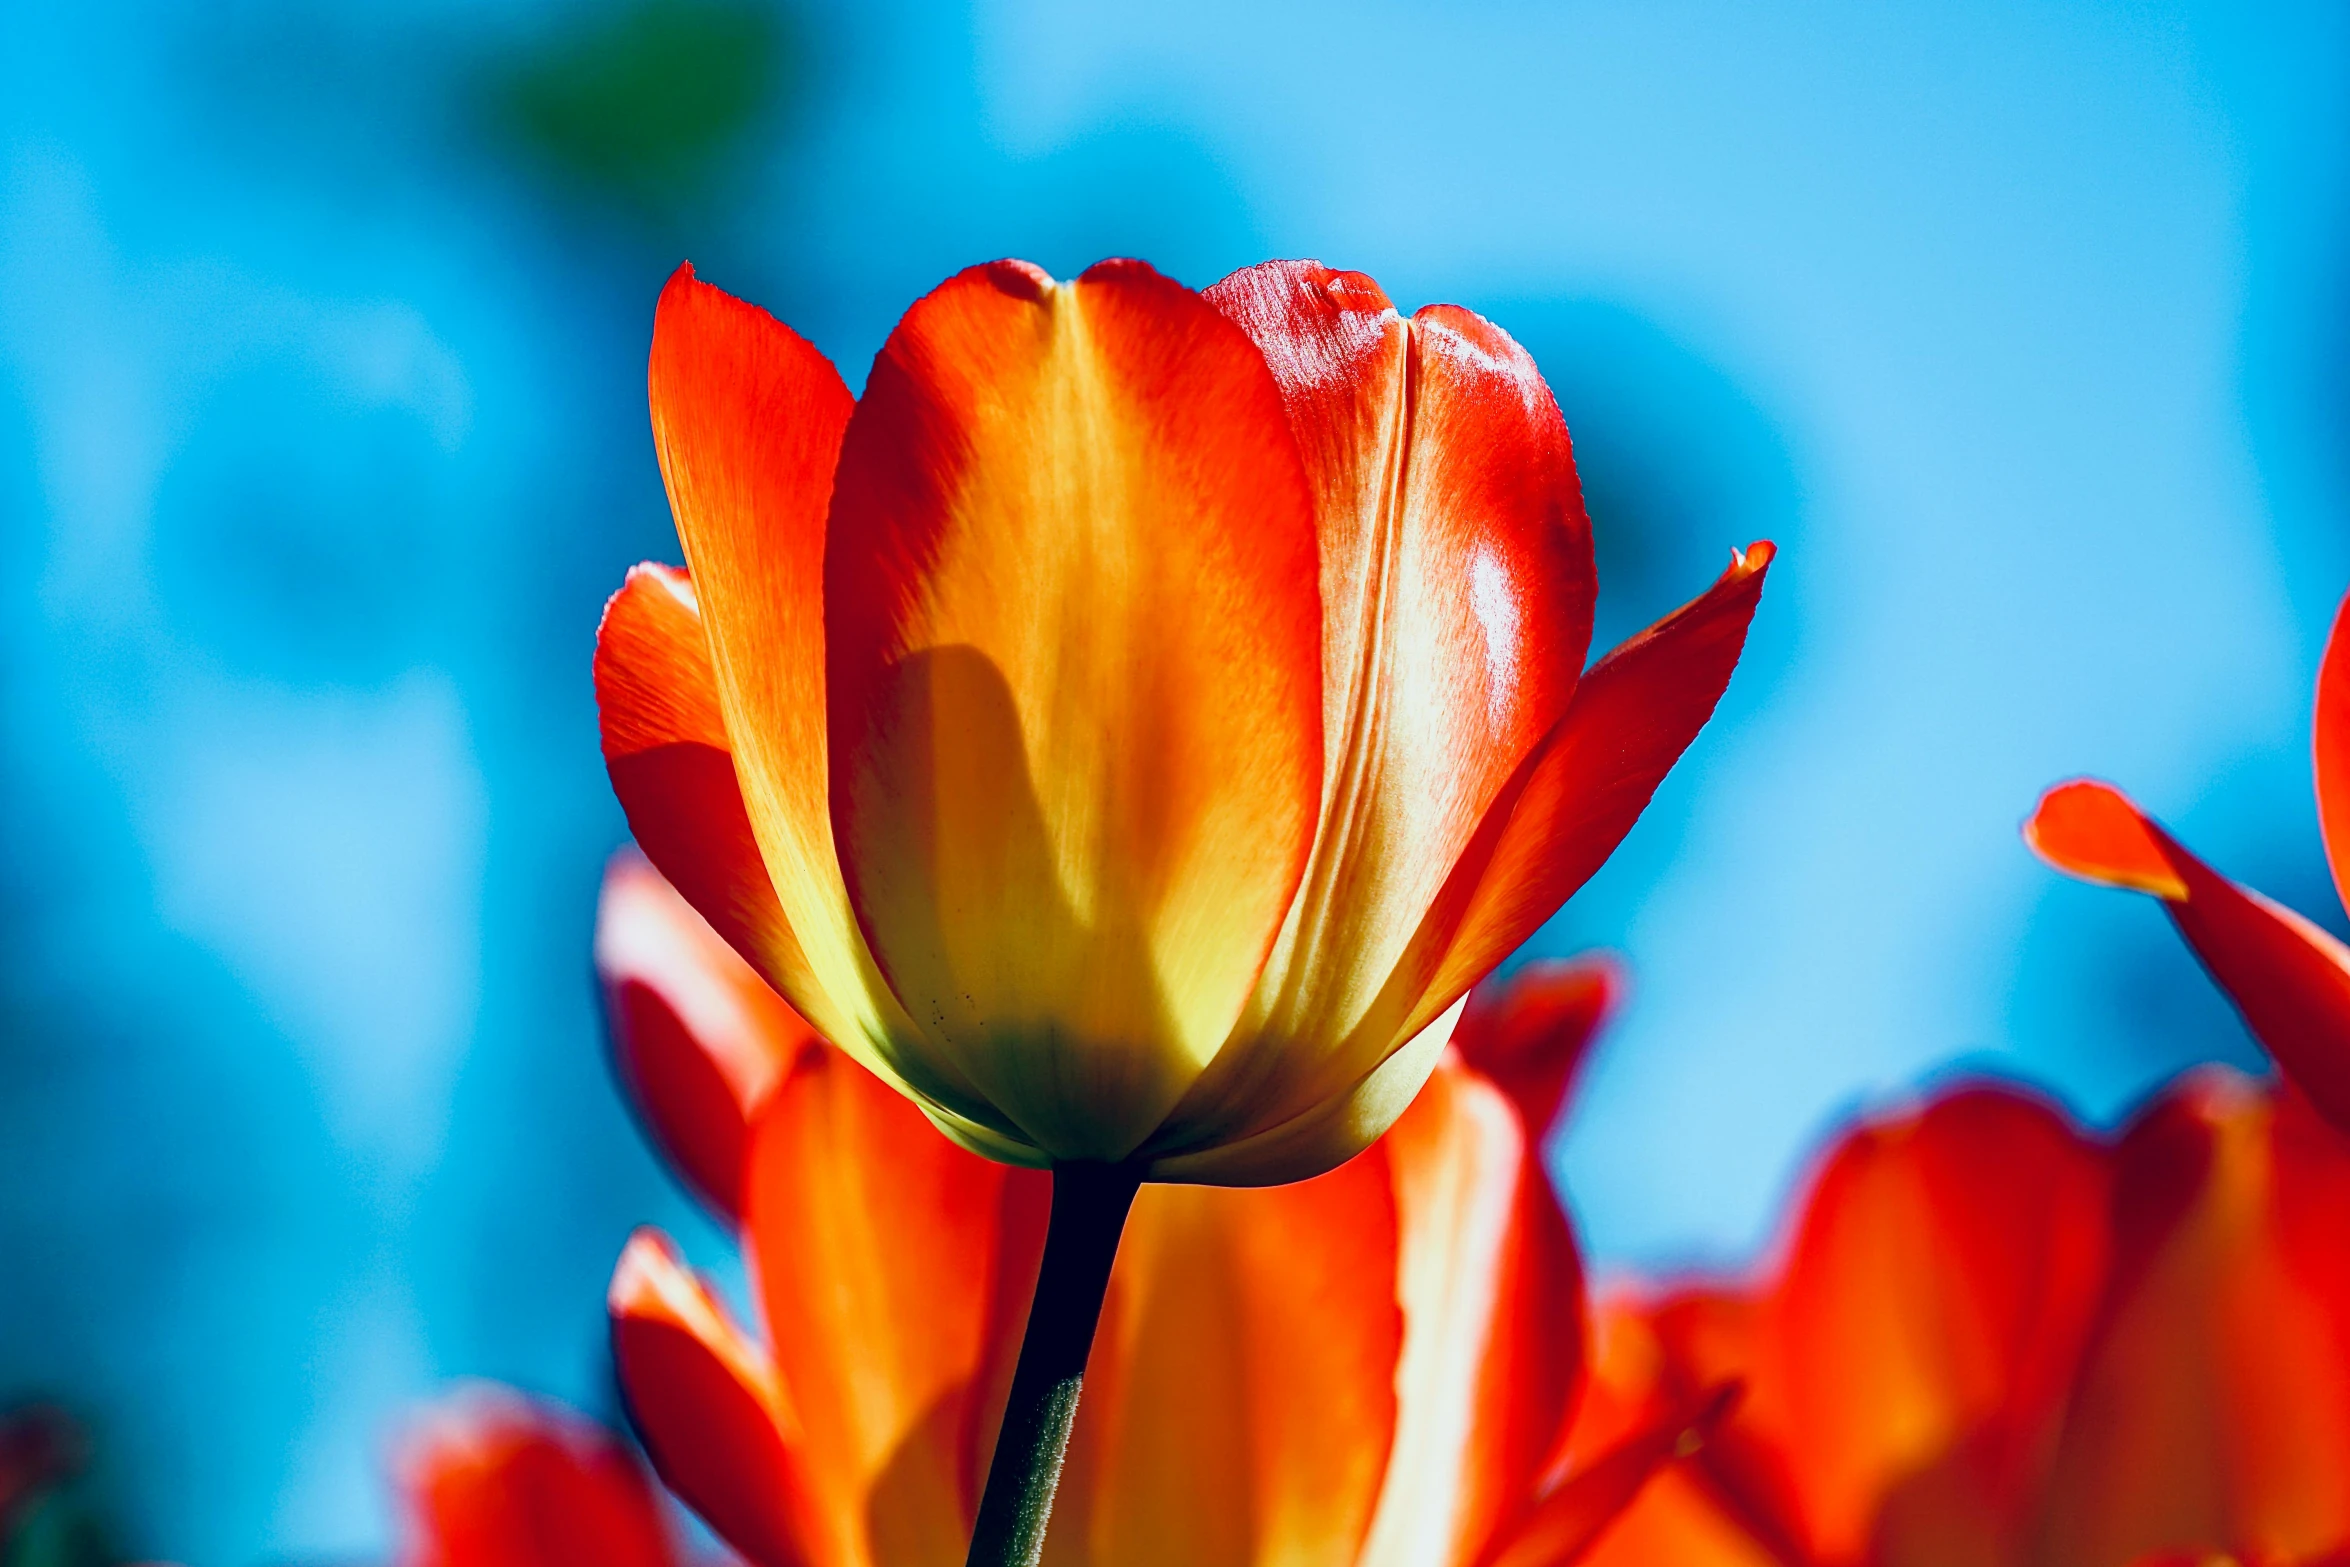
[[2290, 979], [1992, 1340], [492, 1478], [1132, 726], [1374, 1366]]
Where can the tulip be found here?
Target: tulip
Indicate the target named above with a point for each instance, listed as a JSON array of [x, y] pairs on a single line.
[[492, 1478], [1992, 1339], [2289, 978], [1374, 1366], [1132, 726]]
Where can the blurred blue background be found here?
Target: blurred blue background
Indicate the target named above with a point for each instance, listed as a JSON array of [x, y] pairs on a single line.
[[2020, 326]]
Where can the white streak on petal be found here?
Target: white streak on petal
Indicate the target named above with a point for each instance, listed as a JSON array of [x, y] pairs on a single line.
[[1497, 612]]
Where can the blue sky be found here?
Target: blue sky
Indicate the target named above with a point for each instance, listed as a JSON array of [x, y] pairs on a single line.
[[321, 438]]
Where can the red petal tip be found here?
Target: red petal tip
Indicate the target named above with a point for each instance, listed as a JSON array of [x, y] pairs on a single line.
[[2090, 829], [649, 1257], [1020, 279]]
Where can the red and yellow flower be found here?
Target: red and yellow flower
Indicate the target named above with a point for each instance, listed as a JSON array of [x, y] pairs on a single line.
[[490, 1477], [2289, 978], [1132, 726], [1993, 1340], [1375, 1366]]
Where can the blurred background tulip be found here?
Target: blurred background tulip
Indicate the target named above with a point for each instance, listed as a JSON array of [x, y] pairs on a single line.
[[1991, 1336], [491, 1477], [324, 438], [1374, 1366]]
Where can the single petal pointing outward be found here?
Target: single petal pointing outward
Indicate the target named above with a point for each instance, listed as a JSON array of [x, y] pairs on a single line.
[[1073, 633], [1577, 796], [2290, 979], [2091, 830]]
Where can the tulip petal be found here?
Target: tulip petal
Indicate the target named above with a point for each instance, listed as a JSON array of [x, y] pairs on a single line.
[[493, 1479], [708, 1407], [2214, 1410], [873, 1242], [1530, 1034], [1240, 1401], [2331, 747], [1325, 1136], [1492, 1293], [666, 748], [1678, 1516], [1457, 585], [1577, 796], [2091, 830], [1675, 1519], [748, 420], [1906, 1371], [699, 1038], [1571, 1518], [1074, 642], [2290, 979]]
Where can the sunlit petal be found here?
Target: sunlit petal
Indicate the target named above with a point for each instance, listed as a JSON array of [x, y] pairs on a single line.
[[1492, 1292], [1457, 586], [666, 747], [1241, 1400], [672, 766], [1073, 632], [875, 1246], [1576, 797], [1326, 1135], [748, 421]]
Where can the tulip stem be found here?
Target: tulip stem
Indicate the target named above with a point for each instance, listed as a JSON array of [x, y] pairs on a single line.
[[1090, 1203]]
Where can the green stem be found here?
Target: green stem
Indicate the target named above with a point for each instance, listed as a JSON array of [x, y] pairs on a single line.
[[1090, 1202]]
